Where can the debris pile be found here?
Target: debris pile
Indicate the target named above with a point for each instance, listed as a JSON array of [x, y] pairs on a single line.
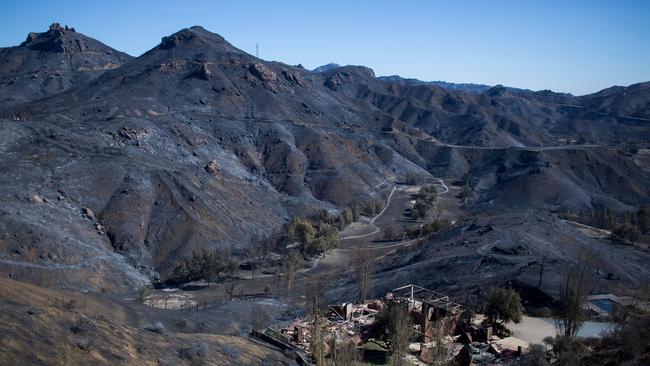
[[439, 332]]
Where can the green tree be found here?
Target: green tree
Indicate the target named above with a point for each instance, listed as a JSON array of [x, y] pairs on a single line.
[[419, 210], [379, 206], [424, 202], [568, 350], [503, 305], [314, 247], [395, 327], [356, 212], [300, 230], [181, 271], [330, 236], [204, 264], [536, 356], [369, 209], [324, 216], [347, 216]]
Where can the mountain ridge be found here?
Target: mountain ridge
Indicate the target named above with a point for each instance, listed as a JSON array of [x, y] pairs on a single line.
[[196, 144], [53, 61]]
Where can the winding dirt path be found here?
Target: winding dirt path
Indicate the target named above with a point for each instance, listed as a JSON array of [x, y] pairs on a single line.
[[372, 221], [403, 243], [315, 266]]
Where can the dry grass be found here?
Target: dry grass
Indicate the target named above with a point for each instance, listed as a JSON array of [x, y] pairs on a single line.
[[42, 326]]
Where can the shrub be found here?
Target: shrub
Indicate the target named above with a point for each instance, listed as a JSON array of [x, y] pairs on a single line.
[[260, 318], [347, 216], [504, 305], [205, 264], [393, 232], [544, 312], [536, 356]]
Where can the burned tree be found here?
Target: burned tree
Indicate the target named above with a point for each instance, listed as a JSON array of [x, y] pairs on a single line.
[[253, 252], [542, 267], [259, 318], [230, 288], [364, 270], [316, 343], [344, 353], [318, 324], [293, 261], [393, 232], [573, 294]]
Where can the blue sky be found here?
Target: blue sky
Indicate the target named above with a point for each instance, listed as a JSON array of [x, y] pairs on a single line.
[[573, 46]]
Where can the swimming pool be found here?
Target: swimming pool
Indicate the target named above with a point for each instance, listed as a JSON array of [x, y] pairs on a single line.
[[605, 304]]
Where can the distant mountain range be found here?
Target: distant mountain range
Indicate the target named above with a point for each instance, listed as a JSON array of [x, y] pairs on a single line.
[[466, 87]]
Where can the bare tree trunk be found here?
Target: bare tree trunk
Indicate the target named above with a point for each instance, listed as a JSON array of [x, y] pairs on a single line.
[[364, 268], [573, 296], [293, 261], [316, 343], [541, 271], [400, 334], [230, 290]]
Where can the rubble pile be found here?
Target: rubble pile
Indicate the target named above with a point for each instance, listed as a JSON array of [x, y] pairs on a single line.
[[439, 332]]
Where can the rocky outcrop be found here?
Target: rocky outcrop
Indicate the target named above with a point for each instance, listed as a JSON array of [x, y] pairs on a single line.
[[88, 213], [294, 77], [262, 72], [203, 72], [212, 167]]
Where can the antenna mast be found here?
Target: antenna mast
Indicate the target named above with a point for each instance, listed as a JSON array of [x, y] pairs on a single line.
[[257, 50]]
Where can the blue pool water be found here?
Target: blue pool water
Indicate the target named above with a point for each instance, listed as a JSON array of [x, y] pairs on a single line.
[[605, 304]]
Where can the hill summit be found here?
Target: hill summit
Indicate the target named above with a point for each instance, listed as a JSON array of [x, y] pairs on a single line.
[[53, 61]]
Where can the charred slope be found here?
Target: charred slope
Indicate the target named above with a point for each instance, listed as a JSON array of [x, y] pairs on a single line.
[[53, 61], [196, 144], [570, 178], [632, 101], [192, 145]]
